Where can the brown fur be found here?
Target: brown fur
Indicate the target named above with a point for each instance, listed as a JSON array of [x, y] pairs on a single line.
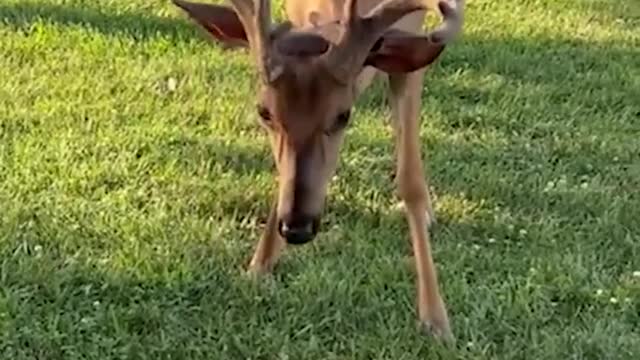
[[312, 71]]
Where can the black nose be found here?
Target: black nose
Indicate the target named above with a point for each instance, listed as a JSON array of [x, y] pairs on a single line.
[[298, 232]]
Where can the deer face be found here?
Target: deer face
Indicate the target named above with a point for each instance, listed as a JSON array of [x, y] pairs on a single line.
[[308, 87], [305, 114]]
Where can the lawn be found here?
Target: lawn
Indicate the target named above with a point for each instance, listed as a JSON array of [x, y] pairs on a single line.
[[134, 181]]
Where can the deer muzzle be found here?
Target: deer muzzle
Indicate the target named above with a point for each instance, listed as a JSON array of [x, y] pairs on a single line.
[[298, 230]]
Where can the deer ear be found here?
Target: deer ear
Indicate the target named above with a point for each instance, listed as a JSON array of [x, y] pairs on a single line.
[[221, 22], [402, 52]]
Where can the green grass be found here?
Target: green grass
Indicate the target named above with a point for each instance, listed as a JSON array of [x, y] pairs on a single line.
[[128, 209]]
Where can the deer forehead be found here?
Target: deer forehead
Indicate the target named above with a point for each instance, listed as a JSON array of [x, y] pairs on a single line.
[[305, 89]]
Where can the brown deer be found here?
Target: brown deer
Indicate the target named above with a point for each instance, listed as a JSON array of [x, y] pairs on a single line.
[[312, 67]]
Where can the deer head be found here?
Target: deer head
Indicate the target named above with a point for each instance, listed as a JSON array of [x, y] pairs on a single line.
[[308, 85]]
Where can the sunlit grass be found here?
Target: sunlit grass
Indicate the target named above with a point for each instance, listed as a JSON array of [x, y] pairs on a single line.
[[134, 181]]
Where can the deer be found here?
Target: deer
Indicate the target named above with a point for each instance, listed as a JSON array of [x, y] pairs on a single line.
[[312, 67]]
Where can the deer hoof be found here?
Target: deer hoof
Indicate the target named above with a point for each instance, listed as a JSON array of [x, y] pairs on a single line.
[[438, 330], [258, 271], [260, 276]]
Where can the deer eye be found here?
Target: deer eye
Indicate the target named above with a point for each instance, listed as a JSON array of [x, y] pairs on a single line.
[[265, 114], [342, 120]]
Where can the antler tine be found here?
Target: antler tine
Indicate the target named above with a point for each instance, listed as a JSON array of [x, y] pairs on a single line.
[[351, 10], [452, 20], [361, 33], [387, 13], [255, 16]]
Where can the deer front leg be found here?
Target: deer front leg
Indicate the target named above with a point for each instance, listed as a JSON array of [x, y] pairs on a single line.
[[270, 245], [412, 187]]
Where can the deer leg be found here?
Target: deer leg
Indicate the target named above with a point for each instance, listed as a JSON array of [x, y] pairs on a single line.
[[270, 245], [405, 91]]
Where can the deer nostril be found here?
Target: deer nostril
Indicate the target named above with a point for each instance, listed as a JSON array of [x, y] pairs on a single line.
[[283, 228], [297, 233]]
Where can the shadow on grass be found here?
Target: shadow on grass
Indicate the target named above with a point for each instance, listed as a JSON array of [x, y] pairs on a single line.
[[207, 308]]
